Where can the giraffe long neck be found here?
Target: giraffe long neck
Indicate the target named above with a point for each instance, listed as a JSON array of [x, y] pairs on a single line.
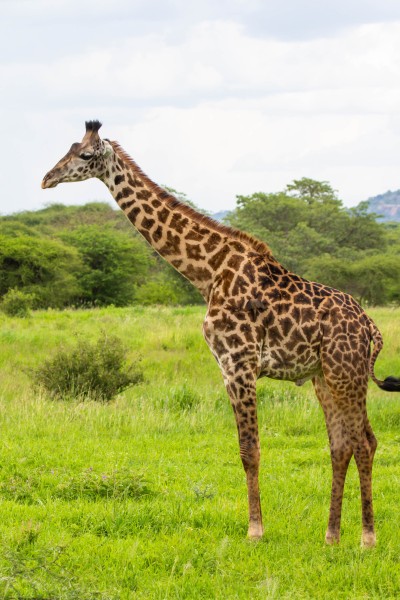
[[195, 245]]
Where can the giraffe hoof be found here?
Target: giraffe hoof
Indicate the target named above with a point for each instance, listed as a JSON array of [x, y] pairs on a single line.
[[255, 531], [368, 539], [332, 539]]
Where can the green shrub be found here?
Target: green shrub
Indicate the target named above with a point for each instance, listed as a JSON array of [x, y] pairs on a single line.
[[95, 371], [17, 303]]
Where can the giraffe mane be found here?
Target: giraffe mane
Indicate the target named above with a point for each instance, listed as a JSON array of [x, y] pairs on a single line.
[[257, 245]]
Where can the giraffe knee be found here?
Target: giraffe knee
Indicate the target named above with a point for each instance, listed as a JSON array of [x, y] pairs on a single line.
[[341, 453], [249, 452]]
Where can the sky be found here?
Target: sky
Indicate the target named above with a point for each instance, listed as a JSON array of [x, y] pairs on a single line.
[[214, 98]]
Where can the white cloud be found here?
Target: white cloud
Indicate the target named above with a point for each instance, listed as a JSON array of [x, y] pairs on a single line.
[[214, 110]]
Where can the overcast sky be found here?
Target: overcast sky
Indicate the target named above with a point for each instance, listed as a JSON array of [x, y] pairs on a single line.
[[211, 97]]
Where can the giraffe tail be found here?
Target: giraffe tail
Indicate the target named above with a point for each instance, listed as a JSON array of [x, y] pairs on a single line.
[[390, 384]]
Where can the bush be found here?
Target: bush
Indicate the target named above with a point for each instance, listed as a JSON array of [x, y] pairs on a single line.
[[89, 371], [16, 303]]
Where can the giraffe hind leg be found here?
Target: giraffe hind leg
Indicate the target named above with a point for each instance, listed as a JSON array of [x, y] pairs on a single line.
[[350, 405], [341, 452], [368, 536]]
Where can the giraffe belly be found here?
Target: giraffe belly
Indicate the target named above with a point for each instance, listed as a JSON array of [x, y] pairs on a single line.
[[277, 363]]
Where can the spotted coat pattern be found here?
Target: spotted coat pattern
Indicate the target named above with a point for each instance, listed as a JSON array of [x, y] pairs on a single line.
[[261, 320]]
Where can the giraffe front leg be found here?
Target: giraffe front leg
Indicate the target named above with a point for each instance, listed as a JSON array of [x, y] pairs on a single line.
[[243, 400]]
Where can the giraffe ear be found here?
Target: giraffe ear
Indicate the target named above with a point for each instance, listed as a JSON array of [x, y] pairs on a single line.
[[107, 148]]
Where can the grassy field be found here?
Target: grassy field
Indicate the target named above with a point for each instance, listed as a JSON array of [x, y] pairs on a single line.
[[145, 497]]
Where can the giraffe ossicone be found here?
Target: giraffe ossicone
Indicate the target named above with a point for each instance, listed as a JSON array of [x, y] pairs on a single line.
[[261, 321]]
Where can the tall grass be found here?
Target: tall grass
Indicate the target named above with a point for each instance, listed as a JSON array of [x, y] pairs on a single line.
[[144, 497]]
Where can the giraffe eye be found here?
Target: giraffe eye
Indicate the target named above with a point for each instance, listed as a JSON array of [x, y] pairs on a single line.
[[86, 155]]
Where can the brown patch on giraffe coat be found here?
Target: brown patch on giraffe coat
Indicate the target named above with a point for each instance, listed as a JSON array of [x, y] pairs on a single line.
[[197, 273], [157, 234], [196, 234], [147, 223], [235, 261], [238, 246], [128, 204], [286, 324], [212, 242], [234, 340], [194, 251], [119, 179], [124, 193], [302, 298], [247, 332], [178, 222], [163, 214], [282, 308], [274, 335], [227, 278], [172, 245], [255, 306], [147, 209], [132, 214], [146, 234], [133, 182], [176, 263], [240, 285], [225, 323], [249, 272], [143, 195], [219, 257]]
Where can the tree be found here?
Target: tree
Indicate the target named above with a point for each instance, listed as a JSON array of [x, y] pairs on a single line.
[[376, 279], [43, 267], [307, 220], [313, 192], [114, 264], [371, 280]]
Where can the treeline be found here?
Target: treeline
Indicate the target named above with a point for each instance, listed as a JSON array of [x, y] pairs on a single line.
[[90, 255], [311, 233], [84, 256]]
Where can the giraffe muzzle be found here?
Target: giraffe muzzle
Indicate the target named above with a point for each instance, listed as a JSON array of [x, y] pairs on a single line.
[[49, 181]]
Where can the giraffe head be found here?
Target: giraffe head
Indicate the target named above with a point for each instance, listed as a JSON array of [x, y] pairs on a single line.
[[83, 160]]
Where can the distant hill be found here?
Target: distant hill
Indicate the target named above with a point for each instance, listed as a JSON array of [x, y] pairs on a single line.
[[386, 205], [219, 216]]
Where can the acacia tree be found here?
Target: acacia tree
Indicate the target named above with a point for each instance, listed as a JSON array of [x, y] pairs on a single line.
[[371, 280], [307, 220]]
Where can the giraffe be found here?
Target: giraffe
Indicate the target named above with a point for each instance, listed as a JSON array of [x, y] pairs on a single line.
[[261, 321]]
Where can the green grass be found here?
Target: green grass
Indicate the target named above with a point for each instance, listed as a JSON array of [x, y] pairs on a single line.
[[145, 497]]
